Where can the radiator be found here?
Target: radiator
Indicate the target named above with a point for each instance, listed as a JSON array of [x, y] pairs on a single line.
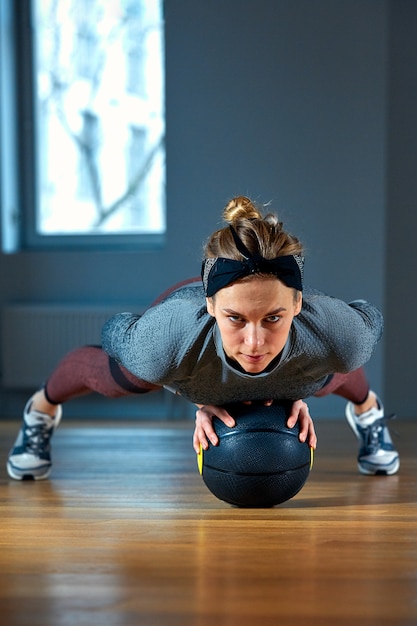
[[35, 337]]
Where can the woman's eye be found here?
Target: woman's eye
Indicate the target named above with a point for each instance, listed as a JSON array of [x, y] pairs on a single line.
[[273, 318]]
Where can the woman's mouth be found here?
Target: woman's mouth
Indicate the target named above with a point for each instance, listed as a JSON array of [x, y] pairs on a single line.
[[253, 358]]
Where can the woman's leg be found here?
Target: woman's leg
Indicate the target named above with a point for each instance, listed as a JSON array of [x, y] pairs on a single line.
[[82, 371], [352, 386], [85, 370], [88, 369]]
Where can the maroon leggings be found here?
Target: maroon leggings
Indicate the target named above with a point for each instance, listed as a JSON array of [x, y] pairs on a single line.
[[89, 369]]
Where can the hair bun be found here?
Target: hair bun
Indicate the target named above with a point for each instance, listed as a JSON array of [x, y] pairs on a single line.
[[240, 208]]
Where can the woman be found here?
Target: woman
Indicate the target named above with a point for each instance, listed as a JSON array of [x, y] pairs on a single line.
[[247, 331]]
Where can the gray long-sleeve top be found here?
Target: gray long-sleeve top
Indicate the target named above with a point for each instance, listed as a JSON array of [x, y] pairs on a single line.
[[177, 344]]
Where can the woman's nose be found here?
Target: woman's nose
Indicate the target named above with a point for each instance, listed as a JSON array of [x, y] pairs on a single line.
[[253, 337]]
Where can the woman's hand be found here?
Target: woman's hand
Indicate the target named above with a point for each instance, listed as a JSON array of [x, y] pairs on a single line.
[[204, 431], [301, 414]]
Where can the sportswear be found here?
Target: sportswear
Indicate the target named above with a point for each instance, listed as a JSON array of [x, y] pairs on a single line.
[[177, 344]]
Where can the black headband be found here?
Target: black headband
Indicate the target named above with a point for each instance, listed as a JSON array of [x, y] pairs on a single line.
[[219, 272]]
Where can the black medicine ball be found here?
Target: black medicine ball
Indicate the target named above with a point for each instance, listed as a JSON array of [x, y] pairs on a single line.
[[259, 462]]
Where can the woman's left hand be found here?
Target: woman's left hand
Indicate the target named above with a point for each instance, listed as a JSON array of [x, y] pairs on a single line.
[[301, 414]]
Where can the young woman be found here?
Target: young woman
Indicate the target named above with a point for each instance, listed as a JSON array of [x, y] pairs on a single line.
[[248, 330]]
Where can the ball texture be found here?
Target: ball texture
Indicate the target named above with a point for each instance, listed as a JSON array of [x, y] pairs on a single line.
[[259, 462]]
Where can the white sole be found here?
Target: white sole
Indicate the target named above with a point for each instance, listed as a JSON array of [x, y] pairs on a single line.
[[29, 475]]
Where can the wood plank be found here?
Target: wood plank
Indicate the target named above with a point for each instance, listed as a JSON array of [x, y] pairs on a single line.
[[126, 533]]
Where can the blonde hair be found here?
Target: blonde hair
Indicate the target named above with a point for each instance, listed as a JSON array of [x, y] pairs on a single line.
[[264, 235]]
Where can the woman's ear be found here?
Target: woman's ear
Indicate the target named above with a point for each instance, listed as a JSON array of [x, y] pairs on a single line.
[[210, 306], [299, 303]]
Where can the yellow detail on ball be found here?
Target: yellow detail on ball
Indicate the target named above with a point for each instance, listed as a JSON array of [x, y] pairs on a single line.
[[311, 457], [200, 460]]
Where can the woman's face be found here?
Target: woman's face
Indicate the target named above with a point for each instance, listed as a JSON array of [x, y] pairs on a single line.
[[254, 318]]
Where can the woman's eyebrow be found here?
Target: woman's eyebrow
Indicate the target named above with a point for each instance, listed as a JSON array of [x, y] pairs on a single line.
[[274, 312]]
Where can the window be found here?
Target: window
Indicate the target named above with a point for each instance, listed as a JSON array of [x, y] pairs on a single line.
[[90, 123]]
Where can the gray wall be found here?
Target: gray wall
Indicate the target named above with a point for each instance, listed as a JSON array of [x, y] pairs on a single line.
[[400, 252], [284, 101]]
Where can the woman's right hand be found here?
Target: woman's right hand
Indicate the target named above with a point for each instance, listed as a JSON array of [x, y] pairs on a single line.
[[204, 431]]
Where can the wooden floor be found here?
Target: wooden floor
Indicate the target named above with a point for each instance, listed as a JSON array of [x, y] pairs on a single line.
[[125, 533]]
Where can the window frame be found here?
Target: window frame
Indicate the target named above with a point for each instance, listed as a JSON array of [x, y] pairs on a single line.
[[19, 210]]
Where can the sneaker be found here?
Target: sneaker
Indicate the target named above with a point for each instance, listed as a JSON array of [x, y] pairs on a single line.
[[377, 454], [30, 456]]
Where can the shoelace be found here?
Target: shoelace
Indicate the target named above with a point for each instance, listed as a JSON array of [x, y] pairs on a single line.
[[36, 438], [372, 434]]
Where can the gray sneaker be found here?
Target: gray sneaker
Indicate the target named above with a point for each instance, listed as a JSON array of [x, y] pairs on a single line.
[[30, 456], [377, 454]]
